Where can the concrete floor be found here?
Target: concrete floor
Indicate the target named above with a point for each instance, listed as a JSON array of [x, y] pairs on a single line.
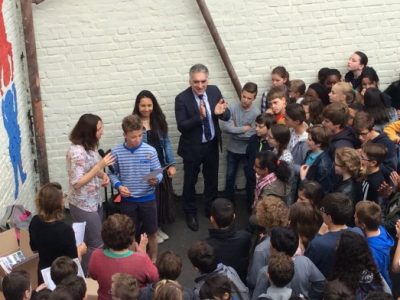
[[181, 237]]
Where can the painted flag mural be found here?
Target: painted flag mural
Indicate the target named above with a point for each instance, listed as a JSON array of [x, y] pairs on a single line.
[[9, 107]]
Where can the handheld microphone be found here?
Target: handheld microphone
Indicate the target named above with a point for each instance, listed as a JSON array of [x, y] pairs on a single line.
[[102, 154]]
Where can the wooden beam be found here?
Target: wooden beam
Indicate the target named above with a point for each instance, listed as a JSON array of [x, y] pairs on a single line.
[[220, 46], [34, 87]]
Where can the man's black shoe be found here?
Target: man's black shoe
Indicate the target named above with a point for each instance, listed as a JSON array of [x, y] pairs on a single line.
[[192, 223]]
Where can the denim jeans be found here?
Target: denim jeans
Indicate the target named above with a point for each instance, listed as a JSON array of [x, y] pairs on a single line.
[[232, 164]]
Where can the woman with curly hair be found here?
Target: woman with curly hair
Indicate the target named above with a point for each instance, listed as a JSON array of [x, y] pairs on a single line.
[[354, 265], [155, 133], [305, 221], [348, 166], [271, 212]]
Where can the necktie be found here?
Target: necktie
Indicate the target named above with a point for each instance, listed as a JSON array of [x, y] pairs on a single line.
[[206, 123]]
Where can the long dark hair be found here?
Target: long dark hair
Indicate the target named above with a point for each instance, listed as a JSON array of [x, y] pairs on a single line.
[[84, 132], [374, 104], [281, 134], [269, 160], [354, 261], [158, 121]]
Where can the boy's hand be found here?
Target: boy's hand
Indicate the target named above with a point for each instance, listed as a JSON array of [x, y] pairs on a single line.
[[246, 128], [124, 191], [41, 287], [304, 171], [395, 178], [143, 243], [82, 249], [152, 181], [385, 190], [171, 171]]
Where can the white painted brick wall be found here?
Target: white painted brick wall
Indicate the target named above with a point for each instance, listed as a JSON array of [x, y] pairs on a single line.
[[12, 20], [96, 55]]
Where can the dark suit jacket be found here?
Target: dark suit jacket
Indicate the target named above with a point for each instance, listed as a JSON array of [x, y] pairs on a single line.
[[189, 124]]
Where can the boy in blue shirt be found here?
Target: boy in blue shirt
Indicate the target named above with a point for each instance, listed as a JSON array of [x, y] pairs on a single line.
[[368, 217], [133, 161]]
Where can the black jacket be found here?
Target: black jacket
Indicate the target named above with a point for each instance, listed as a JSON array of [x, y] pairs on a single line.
[[345, 138], [393, 91], [351, 188], [391, 161], [321, 171], [189, 124], [254, 146], [231, 248]]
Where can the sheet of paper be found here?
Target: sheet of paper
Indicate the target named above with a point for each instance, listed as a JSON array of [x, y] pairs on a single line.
[[155, 172], [46, 274], [79, 229], [152, 174]]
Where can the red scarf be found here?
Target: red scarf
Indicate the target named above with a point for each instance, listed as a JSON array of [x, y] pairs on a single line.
[[261, 183]]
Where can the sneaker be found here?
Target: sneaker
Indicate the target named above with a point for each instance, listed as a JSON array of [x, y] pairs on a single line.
[[159, 239], [162, 234]]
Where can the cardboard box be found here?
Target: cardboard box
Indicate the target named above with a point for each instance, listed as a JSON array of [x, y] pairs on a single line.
[[9, 244]]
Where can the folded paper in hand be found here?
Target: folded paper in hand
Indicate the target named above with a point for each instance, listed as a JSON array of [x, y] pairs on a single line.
[[154, 173]]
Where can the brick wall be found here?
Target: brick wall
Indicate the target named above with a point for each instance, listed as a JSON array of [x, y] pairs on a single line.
[[96, 55], [8, 130]]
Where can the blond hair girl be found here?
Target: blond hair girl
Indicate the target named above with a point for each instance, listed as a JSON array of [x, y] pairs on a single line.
[[348, 165]]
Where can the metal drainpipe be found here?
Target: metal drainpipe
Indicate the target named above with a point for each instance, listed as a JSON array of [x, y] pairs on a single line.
[[220, 46], [34, 86]]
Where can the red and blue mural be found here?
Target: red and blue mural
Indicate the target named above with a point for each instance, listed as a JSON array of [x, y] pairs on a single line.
[[9, 107]]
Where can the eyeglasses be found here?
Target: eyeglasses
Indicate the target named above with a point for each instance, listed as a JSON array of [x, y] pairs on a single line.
[[199, 81], [364, 133]]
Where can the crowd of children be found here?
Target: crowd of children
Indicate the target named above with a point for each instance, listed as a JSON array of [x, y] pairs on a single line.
[[321, 175]]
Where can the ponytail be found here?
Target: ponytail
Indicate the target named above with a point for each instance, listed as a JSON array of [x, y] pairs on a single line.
[[269, 160]]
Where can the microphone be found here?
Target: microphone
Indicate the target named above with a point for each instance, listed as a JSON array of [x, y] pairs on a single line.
[[102, 154]]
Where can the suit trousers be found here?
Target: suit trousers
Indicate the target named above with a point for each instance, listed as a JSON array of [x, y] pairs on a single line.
[[209, 159]]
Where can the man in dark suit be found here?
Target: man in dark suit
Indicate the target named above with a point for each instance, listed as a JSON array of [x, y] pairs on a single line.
[[197, 110]]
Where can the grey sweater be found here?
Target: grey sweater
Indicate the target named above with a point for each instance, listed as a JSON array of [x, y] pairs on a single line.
[[307, 280], [234, 127]]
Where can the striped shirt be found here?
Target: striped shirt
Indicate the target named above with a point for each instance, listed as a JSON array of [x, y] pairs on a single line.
[[130, 166]]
